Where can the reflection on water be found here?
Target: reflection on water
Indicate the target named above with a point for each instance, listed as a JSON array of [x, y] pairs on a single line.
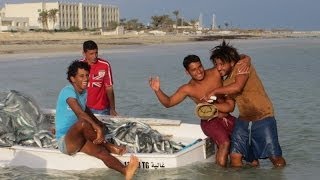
[[289, 69]]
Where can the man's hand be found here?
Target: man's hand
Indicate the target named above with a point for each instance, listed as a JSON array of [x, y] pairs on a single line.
[[244, 64], [154, 83], [100, 135], [113, 112], [209, 97]]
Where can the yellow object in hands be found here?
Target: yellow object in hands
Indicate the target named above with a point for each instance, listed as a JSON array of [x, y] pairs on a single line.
[[206, 111]]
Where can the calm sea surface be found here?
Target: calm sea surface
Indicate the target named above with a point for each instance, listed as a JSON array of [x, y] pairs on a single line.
[[289, 69]]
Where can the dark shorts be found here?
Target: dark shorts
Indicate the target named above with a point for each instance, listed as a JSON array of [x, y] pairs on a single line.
[[259, 141], [219, 130]]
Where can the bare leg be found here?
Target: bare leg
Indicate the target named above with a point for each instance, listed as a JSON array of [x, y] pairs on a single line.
[[278, 161], [119, 150], [132, 167], [100, 152], [86, 130], [222, 154], [236, 160]]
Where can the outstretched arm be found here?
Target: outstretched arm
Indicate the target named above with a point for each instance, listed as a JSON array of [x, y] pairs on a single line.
[[164, 99]]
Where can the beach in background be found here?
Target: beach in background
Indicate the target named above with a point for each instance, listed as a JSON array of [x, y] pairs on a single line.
[[46, 42]]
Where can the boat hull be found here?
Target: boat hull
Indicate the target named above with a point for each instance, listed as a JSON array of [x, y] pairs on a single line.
[[198, 149]]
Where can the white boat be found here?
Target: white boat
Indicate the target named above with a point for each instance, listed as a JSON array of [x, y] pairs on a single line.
[[198, 149]]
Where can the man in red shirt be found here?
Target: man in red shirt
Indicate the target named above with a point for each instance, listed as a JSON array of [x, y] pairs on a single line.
[[100, 98]]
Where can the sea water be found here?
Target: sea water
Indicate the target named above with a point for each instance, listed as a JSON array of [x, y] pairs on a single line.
[[289, 69]]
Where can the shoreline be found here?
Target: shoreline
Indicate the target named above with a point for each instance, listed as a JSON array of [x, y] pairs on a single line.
[[58, 42]]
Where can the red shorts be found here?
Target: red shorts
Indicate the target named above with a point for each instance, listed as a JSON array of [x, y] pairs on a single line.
[[219, 130]]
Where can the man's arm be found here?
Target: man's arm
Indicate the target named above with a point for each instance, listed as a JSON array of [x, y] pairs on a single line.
[[164, 99], [110, 95], [233, 88], [225, 106], [76, 108]]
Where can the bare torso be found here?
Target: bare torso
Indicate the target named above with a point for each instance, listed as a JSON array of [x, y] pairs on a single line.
[[196, 90]]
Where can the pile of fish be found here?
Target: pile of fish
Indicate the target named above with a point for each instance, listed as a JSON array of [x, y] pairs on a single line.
[[22, 123], [139, 137]]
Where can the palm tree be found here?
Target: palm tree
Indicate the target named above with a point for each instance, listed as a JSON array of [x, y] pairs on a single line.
[[52, 15], [226, 24], [176, 13], [43, 19], [193, 23]]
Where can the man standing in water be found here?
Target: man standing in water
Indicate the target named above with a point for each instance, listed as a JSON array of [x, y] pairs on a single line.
[[255, 134], [202, 82], [100, 88], [78, 130]]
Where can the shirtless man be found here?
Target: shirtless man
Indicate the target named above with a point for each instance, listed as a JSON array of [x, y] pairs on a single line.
[[203, 81], [77, 129]]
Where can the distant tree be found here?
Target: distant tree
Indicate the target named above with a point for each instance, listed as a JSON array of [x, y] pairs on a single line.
[[133, 24], [176, 13], [52, 15], [123, 21], [226, 24], [193, 23], [43, 19], [162, 22], [112, 25]]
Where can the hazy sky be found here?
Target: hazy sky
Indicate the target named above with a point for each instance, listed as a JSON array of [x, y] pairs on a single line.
[[268, 14]]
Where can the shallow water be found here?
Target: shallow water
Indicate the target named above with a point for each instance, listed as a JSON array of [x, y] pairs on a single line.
[[289, 69]]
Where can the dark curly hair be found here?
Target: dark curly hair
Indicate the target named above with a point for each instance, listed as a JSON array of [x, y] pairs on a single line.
[[225, 52], [74, 66]]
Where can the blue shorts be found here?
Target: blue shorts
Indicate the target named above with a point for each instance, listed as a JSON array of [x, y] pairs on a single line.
[[102, 112], [256, 140], [62, 145]]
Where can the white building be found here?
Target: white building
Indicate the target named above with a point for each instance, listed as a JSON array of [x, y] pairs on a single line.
[[83, 16]]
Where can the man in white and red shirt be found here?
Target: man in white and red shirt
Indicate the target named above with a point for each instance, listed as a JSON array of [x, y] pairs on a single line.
[[100, 97]]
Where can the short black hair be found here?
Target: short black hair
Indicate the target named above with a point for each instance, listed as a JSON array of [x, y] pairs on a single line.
[[225, 52], [74, 66], [190, 59], [89, 45]]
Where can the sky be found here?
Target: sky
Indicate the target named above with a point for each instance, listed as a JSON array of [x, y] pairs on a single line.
[[246, 14]]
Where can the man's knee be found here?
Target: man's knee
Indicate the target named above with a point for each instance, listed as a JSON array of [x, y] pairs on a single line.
[[225, 145]]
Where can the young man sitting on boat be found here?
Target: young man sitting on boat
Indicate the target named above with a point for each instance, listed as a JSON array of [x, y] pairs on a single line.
[[219, 128], [78, 130]]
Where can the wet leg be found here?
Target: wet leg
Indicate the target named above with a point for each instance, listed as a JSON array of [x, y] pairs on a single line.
[[236, 160], [278, 161], [222, 154]]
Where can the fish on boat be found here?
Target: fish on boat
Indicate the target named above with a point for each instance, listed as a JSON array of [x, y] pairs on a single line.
[[26, 139]]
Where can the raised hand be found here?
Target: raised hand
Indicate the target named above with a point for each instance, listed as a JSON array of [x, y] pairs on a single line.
[[154, 83]]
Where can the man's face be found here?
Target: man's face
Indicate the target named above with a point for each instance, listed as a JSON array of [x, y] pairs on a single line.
[[80, 81], [91, 55], [224, 68], [196, 71]]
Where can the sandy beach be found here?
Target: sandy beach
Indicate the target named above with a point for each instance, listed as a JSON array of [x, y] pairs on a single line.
[[45, 42]]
